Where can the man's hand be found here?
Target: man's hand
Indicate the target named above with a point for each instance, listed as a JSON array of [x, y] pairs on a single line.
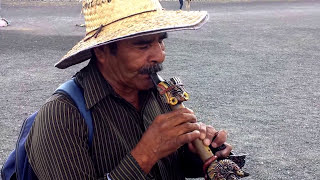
[[210, 136], [165, 135]]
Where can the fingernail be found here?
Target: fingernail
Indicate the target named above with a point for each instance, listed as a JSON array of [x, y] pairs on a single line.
[[206, 142], [202, 136], [214, 145], [197, 131]]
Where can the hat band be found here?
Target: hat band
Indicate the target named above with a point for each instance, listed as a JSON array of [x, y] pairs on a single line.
[[98, 30]]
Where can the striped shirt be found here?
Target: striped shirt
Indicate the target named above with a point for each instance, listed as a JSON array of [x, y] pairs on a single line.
[[57, 146]]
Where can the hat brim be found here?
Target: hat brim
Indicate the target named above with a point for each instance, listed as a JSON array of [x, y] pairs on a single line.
[[138, 25]]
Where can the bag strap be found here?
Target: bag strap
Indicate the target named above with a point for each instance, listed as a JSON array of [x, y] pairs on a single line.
[[71, 89]]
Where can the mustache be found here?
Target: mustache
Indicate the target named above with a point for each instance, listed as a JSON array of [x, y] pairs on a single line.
[[151, 69]]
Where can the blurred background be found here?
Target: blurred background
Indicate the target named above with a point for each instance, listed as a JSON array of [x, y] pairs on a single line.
[[252, 70]]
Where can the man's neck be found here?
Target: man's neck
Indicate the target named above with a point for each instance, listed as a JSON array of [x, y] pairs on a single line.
[[131, 96]]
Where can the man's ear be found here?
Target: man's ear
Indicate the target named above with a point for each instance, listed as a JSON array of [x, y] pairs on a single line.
[[98, 51], [102, 53]]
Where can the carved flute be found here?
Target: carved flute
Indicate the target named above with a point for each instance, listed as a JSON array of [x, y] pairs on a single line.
[[173, 93]]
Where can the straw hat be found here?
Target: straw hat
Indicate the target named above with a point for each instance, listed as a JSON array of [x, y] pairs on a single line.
[[112, 20]]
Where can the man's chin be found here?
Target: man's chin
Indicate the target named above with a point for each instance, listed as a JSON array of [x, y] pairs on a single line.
[[146, 84]]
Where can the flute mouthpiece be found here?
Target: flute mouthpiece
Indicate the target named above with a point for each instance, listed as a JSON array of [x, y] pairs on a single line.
[[156, 79]]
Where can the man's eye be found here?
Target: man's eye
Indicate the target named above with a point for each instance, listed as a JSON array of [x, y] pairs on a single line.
[[144, 47]]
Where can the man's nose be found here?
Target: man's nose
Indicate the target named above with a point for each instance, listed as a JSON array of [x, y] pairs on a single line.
[[158, 52]]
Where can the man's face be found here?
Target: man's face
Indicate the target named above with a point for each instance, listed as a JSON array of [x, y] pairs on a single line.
[[135, 58]]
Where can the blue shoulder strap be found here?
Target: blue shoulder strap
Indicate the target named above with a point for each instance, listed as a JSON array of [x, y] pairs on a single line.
[[17, 162], [71, 89]]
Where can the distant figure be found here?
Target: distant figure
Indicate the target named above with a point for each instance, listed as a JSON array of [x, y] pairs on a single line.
[[81, 13], [181, 3], [188, 5], [3, 22]]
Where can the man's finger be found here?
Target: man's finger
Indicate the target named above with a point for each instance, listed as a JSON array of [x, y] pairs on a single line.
[[186, 128], [182, 118], [203, 130], [219, 139], [211, 132], [188, 137], [225, 152], [173, 115]]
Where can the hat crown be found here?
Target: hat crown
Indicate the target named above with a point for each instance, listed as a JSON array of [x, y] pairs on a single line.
[[104, 12]]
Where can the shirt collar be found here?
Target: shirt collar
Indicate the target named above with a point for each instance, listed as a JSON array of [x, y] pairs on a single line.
[[95, 87]]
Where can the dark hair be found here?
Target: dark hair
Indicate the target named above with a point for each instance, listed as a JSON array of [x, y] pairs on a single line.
[[113, 48]]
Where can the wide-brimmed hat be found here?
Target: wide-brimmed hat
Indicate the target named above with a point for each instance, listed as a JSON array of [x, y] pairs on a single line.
[[113, 20]]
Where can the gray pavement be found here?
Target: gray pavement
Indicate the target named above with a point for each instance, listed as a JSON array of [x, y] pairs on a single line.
[[253, 70]]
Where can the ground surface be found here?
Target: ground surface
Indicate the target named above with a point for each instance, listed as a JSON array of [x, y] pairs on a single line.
[[253, 69]]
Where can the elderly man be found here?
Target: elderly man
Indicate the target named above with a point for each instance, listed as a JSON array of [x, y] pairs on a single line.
[[136, 134]]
